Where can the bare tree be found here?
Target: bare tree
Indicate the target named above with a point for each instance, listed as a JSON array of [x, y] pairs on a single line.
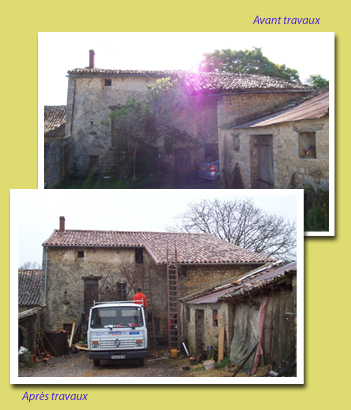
[[242, 223], [30, 265]]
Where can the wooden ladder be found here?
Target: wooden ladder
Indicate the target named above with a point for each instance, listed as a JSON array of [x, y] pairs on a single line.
[[172, 301], [149, 310]]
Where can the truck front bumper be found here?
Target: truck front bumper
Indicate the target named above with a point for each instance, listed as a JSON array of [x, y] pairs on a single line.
[[119, 355]]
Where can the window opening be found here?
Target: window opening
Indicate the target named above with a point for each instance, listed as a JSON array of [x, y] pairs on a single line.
[[215, 318], [307, 145], [139, 255]]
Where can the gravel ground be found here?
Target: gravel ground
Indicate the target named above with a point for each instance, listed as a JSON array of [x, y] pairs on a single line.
[[79, 365]]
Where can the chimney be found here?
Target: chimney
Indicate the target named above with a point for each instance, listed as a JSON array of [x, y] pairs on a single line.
[[91, 59], [62, 224]]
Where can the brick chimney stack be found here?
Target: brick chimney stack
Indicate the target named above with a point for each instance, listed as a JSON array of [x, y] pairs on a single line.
[[62, 224], [91, 59]]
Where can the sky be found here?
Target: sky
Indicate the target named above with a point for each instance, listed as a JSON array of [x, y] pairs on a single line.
[[35, 213], [309, 53]]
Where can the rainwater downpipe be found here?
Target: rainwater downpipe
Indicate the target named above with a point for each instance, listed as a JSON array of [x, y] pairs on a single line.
[[46, 273], [74, 100]]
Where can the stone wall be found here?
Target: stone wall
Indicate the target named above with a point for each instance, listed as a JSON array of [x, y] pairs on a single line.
[[287, 158], [193, 279], [89, 101], [248, 105], [52, 161], [65, 283], [66, 272], [211, 333]]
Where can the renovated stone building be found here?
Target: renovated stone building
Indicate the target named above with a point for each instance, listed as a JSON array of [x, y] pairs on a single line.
[[80, 266], [212, 100], [277, 148], [256, 307]]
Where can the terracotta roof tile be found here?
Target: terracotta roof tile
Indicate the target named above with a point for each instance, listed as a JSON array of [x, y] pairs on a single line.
[[192, 248], [54, 121], [202, 81], [29, 286]]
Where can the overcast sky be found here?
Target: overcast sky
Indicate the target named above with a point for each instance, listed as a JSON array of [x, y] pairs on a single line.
[[309, 53], [35, 213]]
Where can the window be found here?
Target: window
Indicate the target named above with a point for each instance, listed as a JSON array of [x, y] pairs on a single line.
[[139, 255], [80, 254], [236, 142], [108, 83], [121, 291], [215, 318], [307, 144]]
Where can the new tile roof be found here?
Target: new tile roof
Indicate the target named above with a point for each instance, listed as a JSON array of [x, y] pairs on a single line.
[[308, 108], [243, 285], [54, 121], [29, 286], [192, 248], [202, 81]]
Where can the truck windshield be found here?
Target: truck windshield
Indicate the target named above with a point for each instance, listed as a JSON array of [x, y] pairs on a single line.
[[117, 317]]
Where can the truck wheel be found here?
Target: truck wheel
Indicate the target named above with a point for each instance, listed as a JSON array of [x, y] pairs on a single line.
[[141, 362], [96, 362]]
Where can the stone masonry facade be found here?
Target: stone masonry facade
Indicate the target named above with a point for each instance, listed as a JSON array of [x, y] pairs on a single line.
[[89, 103], [286, 156], [67, 273]]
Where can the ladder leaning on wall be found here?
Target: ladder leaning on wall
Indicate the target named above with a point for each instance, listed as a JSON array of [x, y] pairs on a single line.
[[172, 301], [149, 310]]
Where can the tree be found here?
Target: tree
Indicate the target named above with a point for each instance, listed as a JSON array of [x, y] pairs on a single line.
[[30, 265], [142, 123], [242, 223], [246, 62], [317, 81]]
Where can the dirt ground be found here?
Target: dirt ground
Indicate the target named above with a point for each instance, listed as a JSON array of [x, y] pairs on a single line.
[[79, 365]]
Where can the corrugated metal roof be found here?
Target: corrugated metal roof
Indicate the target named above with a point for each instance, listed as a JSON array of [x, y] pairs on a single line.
[[257, 278], [316, 107]]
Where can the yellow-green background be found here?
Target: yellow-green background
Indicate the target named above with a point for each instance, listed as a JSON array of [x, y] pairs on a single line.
[[327, 267]]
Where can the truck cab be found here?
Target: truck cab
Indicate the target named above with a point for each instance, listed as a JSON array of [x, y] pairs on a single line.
[[117, 331]]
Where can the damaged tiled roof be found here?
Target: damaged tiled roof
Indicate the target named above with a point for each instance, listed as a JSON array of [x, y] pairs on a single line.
[[29, 286], [202, 81], [243, 285], [54, 121], [192, 248], [315, 105]]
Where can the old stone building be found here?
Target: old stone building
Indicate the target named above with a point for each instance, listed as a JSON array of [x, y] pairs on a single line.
[[93, 142], [31, 309], [280, 147], [81, 266], [54, 144], [256, 307]]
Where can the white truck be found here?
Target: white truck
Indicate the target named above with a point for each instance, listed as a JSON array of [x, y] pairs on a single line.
[[116, 331]]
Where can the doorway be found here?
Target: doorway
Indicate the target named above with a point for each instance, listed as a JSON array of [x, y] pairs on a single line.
[[264, 144]]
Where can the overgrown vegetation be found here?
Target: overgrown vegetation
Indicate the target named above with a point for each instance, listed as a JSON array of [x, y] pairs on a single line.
[[222, 363], [316, 216], [146, 127]]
